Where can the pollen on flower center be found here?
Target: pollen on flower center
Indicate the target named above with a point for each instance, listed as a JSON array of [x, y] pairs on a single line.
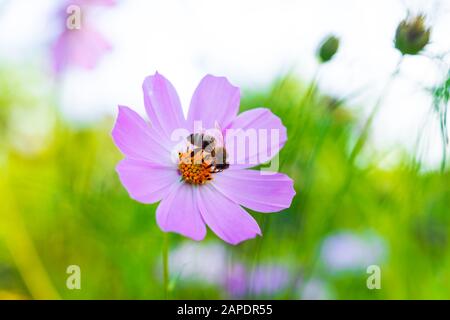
[[194, 167], [202, 158]]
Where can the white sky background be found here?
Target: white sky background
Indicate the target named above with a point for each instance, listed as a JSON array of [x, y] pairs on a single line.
[[250, 42]]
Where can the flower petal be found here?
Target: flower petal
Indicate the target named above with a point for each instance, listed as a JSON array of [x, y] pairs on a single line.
[[262, 135], [134, 137], [256, 191], [226, 218], [163, 106], [215, 99], [95, 2], [83, 48], [178, 212], [144, 181]]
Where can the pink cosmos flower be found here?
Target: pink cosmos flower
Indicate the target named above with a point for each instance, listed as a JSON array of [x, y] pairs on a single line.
[[199, 193], [82, 47]]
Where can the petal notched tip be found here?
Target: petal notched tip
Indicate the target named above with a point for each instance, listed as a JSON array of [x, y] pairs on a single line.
[[292, 192], [211, 77], [239, 241], [278, 123], [195, 237], [153, 79]]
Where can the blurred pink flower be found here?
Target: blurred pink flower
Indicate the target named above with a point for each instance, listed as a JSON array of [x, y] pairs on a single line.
[[194, 195], [316, 289], [199, 262], [263, 280], [82, 47], [93, 2], [347, 251]]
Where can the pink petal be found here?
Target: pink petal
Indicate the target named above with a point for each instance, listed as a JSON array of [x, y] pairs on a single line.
[[226, 218], [134, 137], [251, 189], [94, 2], [215, 99], [263, 123], [178, 212], [144, 181], [163, 106], [83, 48]]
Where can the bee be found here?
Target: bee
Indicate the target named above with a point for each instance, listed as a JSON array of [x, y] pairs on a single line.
[[201, 141], [212, 148], [219, 156]]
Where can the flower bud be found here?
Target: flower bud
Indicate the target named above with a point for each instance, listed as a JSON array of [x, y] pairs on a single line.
[[328, 48], [412, 35]]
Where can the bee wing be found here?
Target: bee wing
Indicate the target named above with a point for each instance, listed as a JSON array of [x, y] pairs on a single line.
[[217, 134]]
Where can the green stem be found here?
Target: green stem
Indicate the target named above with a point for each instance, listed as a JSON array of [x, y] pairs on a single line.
[[368, 124], [337, 200], [165, 256], [444, 144], [257, 254], [297, 114]]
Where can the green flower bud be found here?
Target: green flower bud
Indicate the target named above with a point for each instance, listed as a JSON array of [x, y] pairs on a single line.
[[328, 48], [412, 35]]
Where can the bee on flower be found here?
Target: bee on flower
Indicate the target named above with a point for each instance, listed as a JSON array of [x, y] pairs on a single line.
[[201, 185]]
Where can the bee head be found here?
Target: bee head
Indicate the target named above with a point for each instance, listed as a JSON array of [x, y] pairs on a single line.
[[201, 140]]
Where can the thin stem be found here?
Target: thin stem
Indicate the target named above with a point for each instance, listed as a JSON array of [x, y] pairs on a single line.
[[337, 202], [165, 256], [257, 254], [368, 124], [417, 154], [297, 113], [444, 143]]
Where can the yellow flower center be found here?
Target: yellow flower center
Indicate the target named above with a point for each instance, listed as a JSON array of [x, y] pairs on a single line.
[[195, 167]]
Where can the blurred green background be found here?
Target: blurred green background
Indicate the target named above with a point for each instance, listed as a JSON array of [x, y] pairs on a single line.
[[61, 203], [357, 204]]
